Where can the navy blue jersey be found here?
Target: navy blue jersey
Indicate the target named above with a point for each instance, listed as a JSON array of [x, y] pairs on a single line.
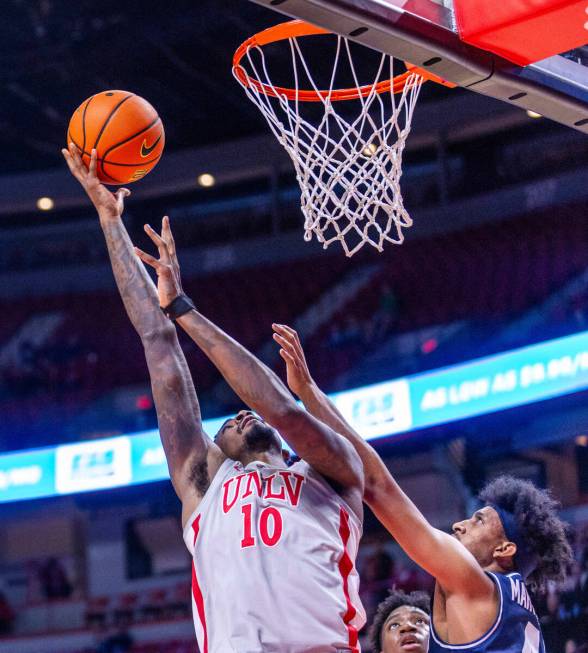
[[516, 629]]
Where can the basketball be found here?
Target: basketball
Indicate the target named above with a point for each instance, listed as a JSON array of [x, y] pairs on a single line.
[[126, 132]]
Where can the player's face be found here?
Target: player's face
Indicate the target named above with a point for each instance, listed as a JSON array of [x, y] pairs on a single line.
[[406, 630], [246, 434], [480, 534]]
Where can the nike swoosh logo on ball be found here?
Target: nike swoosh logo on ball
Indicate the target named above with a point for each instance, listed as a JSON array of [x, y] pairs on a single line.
[[146, 151]]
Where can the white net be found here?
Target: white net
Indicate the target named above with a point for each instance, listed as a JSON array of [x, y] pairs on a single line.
[[348, 168]]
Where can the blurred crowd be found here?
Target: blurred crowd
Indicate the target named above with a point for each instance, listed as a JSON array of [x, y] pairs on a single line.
[[56, 367]]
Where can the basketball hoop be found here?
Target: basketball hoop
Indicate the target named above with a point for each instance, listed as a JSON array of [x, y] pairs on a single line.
[[348, 168]]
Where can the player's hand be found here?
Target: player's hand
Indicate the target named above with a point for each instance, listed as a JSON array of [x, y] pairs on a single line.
[[297, 372], [169, 283], [109, 205]]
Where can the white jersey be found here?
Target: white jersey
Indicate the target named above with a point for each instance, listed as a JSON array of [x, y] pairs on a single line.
[[274, 563]]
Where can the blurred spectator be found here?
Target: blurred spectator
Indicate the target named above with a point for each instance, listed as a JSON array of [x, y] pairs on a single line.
[[54, 581], [6, 615]]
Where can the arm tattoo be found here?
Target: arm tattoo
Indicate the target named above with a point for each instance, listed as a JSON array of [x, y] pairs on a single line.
[[136, 289], [176, 402], [178, 410]]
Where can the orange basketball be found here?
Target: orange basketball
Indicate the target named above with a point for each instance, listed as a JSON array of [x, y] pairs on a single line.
[[124, 129]]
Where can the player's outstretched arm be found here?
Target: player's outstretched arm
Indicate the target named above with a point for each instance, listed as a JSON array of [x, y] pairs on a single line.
[[318, 404], [192, 458], [257, 386], [435, 551]]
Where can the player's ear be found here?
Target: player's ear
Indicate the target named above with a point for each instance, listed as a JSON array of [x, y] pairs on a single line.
[[504, 553]]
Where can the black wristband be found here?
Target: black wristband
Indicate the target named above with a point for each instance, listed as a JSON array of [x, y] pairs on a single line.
[[181, 305]]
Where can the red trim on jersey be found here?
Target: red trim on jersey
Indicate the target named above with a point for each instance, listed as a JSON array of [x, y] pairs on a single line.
[[196, 591], [345, 568]]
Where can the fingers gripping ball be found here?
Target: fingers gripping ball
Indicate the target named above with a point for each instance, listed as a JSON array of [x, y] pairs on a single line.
[[126, 132]]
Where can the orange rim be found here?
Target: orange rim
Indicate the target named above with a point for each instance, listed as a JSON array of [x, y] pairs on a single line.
[[296, 28]]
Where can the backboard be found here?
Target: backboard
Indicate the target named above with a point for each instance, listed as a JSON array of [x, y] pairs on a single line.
[[424, 32]]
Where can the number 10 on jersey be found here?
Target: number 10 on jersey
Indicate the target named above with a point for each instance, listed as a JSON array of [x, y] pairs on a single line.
[[269, 528]]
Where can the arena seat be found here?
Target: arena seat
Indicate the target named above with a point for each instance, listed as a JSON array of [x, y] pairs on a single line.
[[485, 274], [240, 301], [489, 273]]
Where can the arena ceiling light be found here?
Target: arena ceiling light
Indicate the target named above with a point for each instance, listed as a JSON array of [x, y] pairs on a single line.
[[370, 150], [533, 114], [206, 180], [45, 204]]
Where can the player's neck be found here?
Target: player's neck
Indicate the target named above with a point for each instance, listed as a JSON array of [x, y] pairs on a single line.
[[268, 457], [496, 568]]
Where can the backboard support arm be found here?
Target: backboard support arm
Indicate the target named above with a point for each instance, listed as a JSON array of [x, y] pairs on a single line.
[[414, 31]]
